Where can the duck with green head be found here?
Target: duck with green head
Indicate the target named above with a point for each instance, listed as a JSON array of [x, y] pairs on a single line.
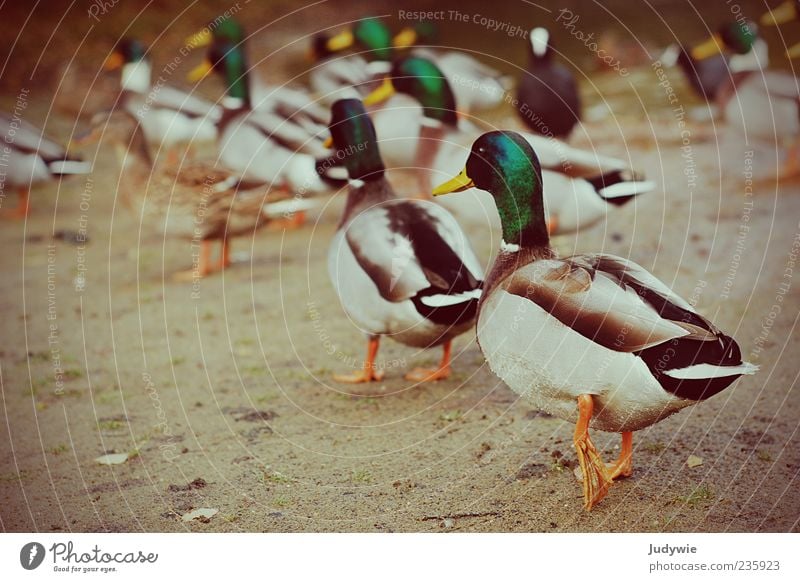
[[476, 85], [292, 103], [168, 116], [401, 268], [262, 144], [582, 187], [594, 339], [758, 103]]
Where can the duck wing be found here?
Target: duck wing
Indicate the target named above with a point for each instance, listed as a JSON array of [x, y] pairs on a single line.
[[619, 305], [416, 250], [28, 138]]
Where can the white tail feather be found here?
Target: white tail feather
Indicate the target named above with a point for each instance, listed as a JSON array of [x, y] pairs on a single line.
[[283, 207], [710, 371], [626, 189], [70, 167], [447, 300]]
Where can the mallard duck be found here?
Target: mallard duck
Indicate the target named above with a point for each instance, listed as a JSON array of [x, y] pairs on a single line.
[[401, 268], [198, 201], [28, 158], [583, 186], [476, 85], [282, 100], [594, 338], [786, 12], [547, 96], [168, 116], [756, 102], [285, 151]]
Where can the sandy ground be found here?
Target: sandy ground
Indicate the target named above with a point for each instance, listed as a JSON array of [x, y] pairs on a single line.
[[222, 394]]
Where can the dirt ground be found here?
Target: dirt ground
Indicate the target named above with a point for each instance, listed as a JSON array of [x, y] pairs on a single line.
[[222, 394]]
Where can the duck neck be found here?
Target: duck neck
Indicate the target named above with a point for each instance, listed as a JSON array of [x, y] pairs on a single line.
[[237, 79], [521, 208]]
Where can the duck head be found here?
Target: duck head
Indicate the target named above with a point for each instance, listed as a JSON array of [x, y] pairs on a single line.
[[130, 55], [425, 82], [353, 136], [227, 60], [541, 48], [737, 37], [370, 35], [504, 164]]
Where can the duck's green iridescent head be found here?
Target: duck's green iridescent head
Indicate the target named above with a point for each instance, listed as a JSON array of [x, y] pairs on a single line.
[[227, 60], [739, 36], [356, 143], [227, 29], [370, 35], [425, 82], [373, 35], [735, 36], [504, 164]]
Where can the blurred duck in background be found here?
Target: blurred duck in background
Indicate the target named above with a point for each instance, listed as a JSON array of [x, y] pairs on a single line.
[[756, 102], [30, 159], [264, 145], [476, 85], [280, 100], [197, 202], [336, 75], [169, 117], [582, 187], [547, 94]]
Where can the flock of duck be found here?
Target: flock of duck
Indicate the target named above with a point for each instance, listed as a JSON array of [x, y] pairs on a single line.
[[592, 338]]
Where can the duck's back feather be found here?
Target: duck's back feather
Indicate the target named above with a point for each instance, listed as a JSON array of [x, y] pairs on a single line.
[[414, 250], [619, 305]]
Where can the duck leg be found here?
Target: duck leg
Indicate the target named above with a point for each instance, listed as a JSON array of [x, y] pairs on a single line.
[[596, 479], [428, 375], [224, 255], [791, 166], [624, 465], [201, 269], [23, 205], [368, 373]]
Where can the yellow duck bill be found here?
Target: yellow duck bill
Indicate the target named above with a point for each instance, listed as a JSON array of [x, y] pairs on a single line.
[[781, 15], [113, 61], [458, 184], [708, 48], [405, 38], [200, 39], [200, 72], [341, 41], [381, 94]]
